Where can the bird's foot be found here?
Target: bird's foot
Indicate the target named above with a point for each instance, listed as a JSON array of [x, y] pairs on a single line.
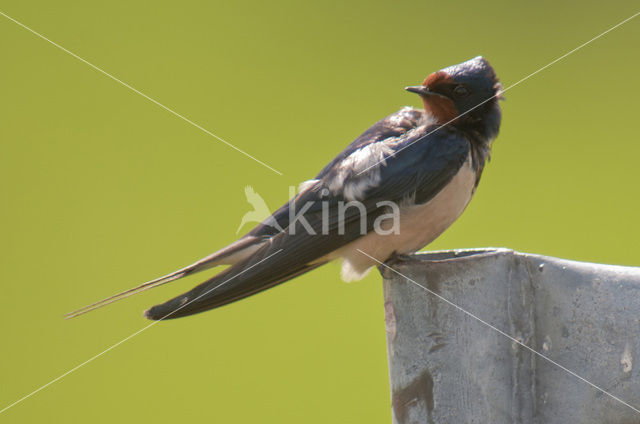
[[396, 258]]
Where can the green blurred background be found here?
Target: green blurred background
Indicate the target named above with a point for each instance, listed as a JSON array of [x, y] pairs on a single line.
[[101, 189]]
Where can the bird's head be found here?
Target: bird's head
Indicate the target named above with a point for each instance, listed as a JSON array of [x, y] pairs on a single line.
[[466, 95]]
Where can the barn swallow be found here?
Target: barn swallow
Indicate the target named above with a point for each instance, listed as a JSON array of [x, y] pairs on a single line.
[[427, 162]]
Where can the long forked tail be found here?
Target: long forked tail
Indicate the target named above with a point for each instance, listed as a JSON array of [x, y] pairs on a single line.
[[227, 256], [135, 290]]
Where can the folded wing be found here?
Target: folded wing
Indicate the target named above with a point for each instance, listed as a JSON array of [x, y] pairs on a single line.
[[421, 168]]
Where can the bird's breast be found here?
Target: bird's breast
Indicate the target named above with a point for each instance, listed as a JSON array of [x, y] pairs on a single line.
[[418, 225]]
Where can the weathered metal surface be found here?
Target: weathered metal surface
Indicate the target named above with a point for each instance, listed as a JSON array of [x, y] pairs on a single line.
[[447, 367]]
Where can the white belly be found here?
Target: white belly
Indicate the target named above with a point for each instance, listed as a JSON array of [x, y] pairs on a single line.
[[419, 226]]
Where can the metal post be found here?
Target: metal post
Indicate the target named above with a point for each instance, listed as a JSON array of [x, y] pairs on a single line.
[[448, 367]]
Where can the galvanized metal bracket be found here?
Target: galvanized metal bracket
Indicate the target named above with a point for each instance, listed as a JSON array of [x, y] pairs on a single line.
[[448, 367]]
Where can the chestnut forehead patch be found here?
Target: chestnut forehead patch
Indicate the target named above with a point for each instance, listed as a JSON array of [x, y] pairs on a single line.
[[437, 78]]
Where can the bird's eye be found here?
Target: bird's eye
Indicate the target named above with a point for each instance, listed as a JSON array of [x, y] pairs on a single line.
[[460, 91]]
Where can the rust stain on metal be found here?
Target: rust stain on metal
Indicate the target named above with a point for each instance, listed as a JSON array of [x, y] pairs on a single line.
[[436, 347], [420, 389], [390, 320]]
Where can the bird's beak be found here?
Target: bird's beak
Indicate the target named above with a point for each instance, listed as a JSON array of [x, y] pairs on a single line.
[[423, 91], [419, 89]]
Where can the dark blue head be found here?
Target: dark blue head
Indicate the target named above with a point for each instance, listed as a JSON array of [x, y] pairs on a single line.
[[466, 95]]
